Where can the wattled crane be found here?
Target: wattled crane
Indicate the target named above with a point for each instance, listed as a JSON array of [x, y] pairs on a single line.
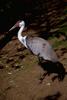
[[39, 46]]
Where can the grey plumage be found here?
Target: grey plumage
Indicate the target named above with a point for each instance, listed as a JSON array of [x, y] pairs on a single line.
[[41, 48]]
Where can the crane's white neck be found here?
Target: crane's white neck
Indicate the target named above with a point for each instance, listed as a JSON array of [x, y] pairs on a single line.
[[21, 38]]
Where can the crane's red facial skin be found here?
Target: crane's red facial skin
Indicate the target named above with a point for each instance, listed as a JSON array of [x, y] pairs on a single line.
[[16, 25]]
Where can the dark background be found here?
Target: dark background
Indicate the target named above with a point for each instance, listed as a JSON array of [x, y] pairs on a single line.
[[28, 10]]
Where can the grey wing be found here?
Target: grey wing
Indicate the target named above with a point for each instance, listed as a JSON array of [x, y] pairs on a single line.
[[49, 54], [34, 45], [42, 48]]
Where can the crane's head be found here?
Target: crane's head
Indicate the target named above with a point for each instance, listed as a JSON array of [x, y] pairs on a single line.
[[18, 24]]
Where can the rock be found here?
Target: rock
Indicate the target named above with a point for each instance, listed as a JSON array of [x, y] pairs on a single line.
[[9, 73], [16, 66], [9, 59], [48, 84], [20, 48], [21, 56], [1, 66], [6, 66]]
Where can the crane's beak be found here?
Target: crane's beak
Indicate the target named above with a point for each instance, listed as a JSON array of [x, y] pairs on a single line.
[[16, 25], [12, 28]]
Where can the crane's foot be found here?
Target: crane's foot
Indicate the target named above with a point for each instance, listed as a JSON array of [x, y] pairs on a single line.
[[42, 77]]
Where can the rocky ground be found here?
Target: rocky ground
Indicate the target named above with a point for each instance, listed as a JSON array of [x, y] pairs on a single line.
[[20, 73]]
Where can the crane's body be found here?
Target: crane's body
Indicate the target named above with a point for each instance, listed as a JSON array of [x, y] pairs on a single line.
[[37, 45], [41, 48]]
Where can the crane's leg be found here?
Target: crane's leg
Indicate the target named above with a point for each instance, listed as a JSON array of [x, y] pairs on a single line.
[[40, 60], [43, 77]]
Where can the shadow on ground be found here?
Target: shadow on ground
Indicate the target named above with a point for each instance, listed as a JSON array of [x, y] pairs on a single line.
[[50, 68], [55, 96]]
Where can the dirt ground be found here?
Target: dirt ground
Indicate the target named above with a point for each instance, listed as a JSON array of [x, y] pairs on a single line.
[[20, 75]]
